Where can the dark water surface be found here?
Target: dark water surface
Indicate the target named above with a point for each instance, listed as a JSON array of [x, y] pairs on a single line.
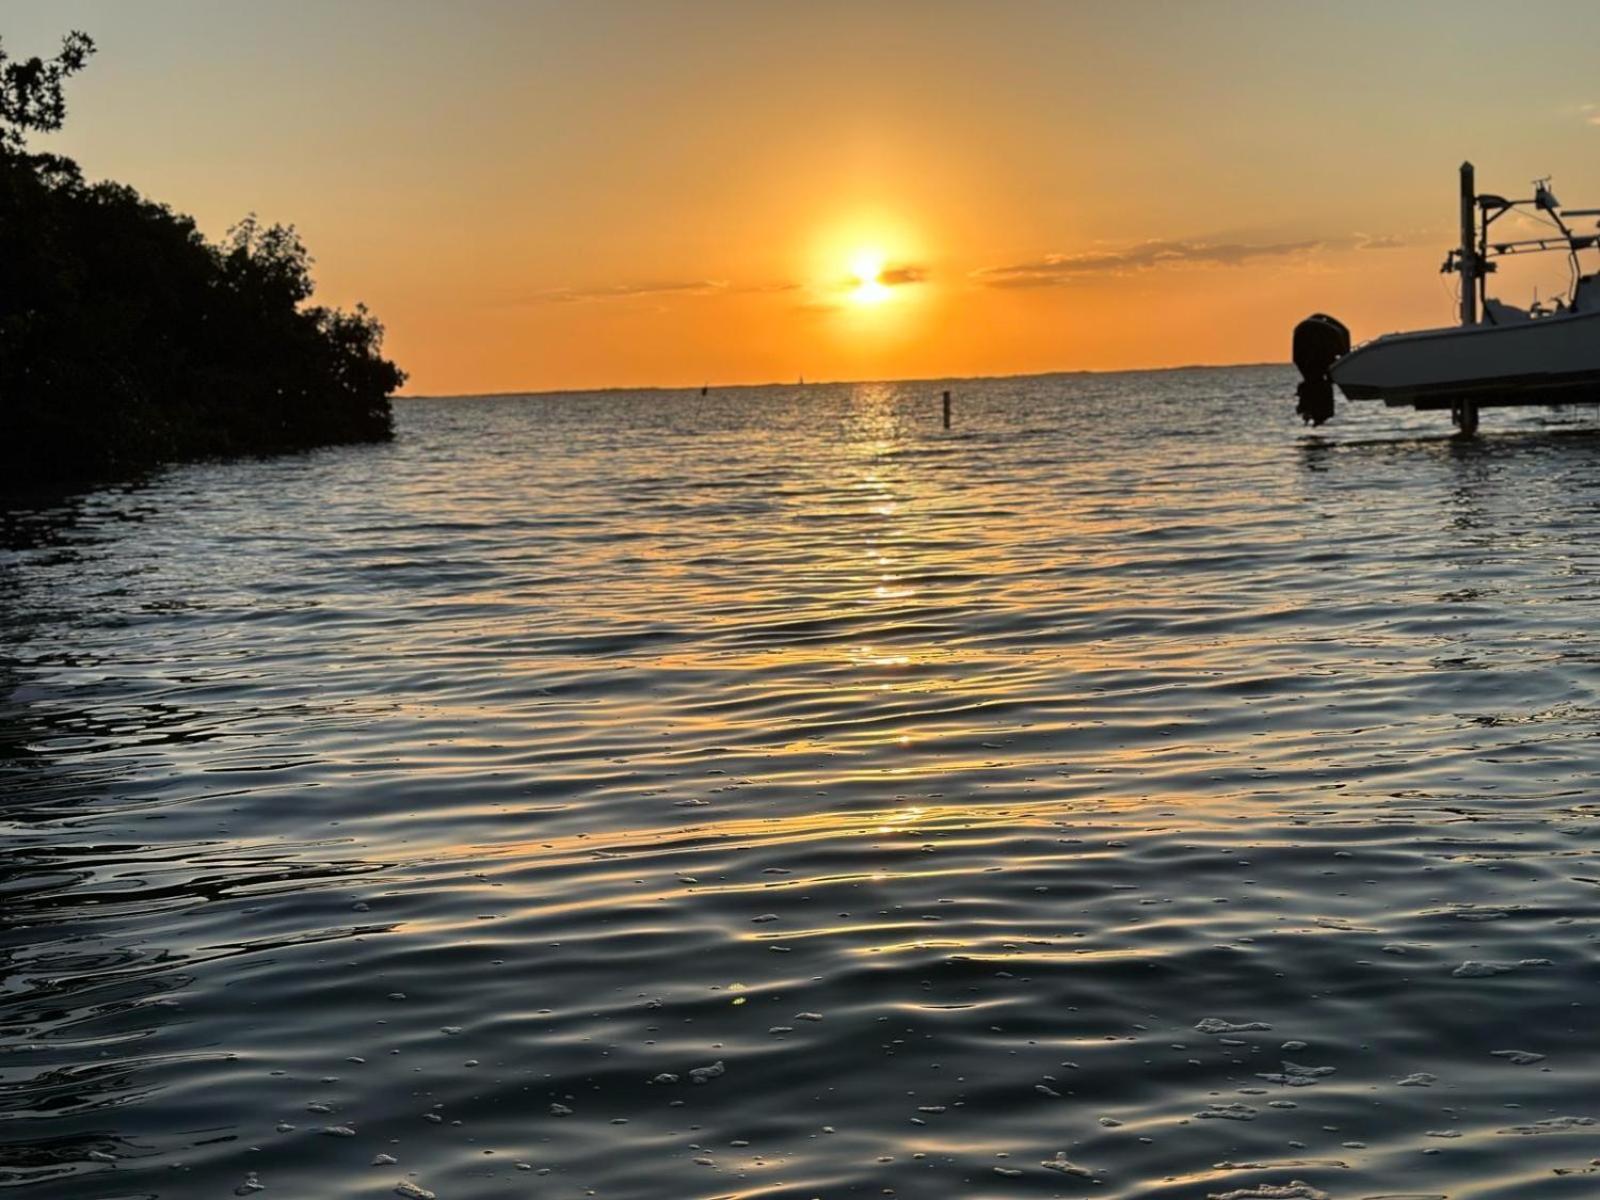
[[947, 795]]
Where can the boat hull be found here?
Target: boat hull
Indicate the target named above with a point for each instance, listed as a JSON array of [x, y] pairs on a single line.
[[1552, 360]]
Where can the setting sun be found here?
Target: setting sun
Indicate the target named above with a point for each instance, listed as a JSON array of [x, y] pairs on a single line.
[[867, 284]]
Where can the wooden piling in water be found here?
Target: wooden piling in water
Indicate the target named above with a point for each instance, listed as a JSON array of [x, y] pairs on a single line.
[[947, 410]]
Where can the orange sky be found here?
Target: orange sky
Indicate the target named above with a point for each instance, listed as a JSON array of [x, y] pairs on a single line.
[[538, 196]]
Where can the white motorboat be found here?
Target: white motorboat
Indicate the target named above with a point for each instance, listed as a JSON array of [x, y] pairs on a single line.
[[1497, 355]]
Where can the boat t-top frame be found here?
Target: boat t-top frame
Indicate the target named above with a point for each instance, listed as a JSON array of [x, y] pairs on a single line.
[[1474, 259]]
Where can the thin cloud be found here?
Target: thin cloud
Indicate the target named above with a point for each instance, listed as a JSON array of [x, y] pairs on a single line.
[[661, 288], [898, 276], [627, 291], [1058, 270]]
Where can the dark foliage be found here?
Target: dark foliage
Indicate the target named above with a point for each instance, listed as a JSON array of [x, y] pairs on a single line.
[[31, 99], [126, 339]]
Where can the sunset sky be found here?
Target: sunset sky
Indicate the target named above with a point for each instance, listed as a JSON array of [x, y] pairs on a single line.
[[537, 196]]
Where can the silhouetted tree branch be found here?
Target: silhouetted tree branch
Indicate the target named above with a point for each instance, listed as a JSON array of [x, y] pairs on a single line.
[[31, 96]]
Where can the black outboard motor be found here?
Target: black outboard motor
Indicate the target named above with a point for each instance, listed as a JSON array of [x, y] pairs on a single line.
[[1319, 342]]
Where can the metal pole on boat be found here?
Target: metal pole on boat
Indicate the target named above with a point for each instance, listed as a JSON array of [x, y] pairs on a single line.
[[1464, 413], [1469, 247]]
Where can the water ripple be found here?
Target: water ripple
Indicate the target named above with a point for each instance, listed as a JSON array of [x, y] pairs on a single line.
[[775, 795]]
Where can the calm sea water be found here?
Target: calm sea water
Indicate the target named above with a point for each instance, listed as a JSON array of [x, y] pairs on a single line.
[[1126, 793]]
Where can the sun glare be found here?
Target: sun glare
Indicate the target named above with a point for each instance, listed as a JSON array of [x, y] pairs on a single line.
[[867, 285]]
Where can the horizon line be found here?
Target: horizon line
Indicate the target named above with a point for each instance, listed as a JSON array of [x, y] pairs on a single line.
[[728, 387]]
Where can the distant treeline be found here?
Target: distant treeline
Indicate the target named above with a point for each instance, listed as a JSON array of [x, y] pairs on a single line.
[[127, 339]]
